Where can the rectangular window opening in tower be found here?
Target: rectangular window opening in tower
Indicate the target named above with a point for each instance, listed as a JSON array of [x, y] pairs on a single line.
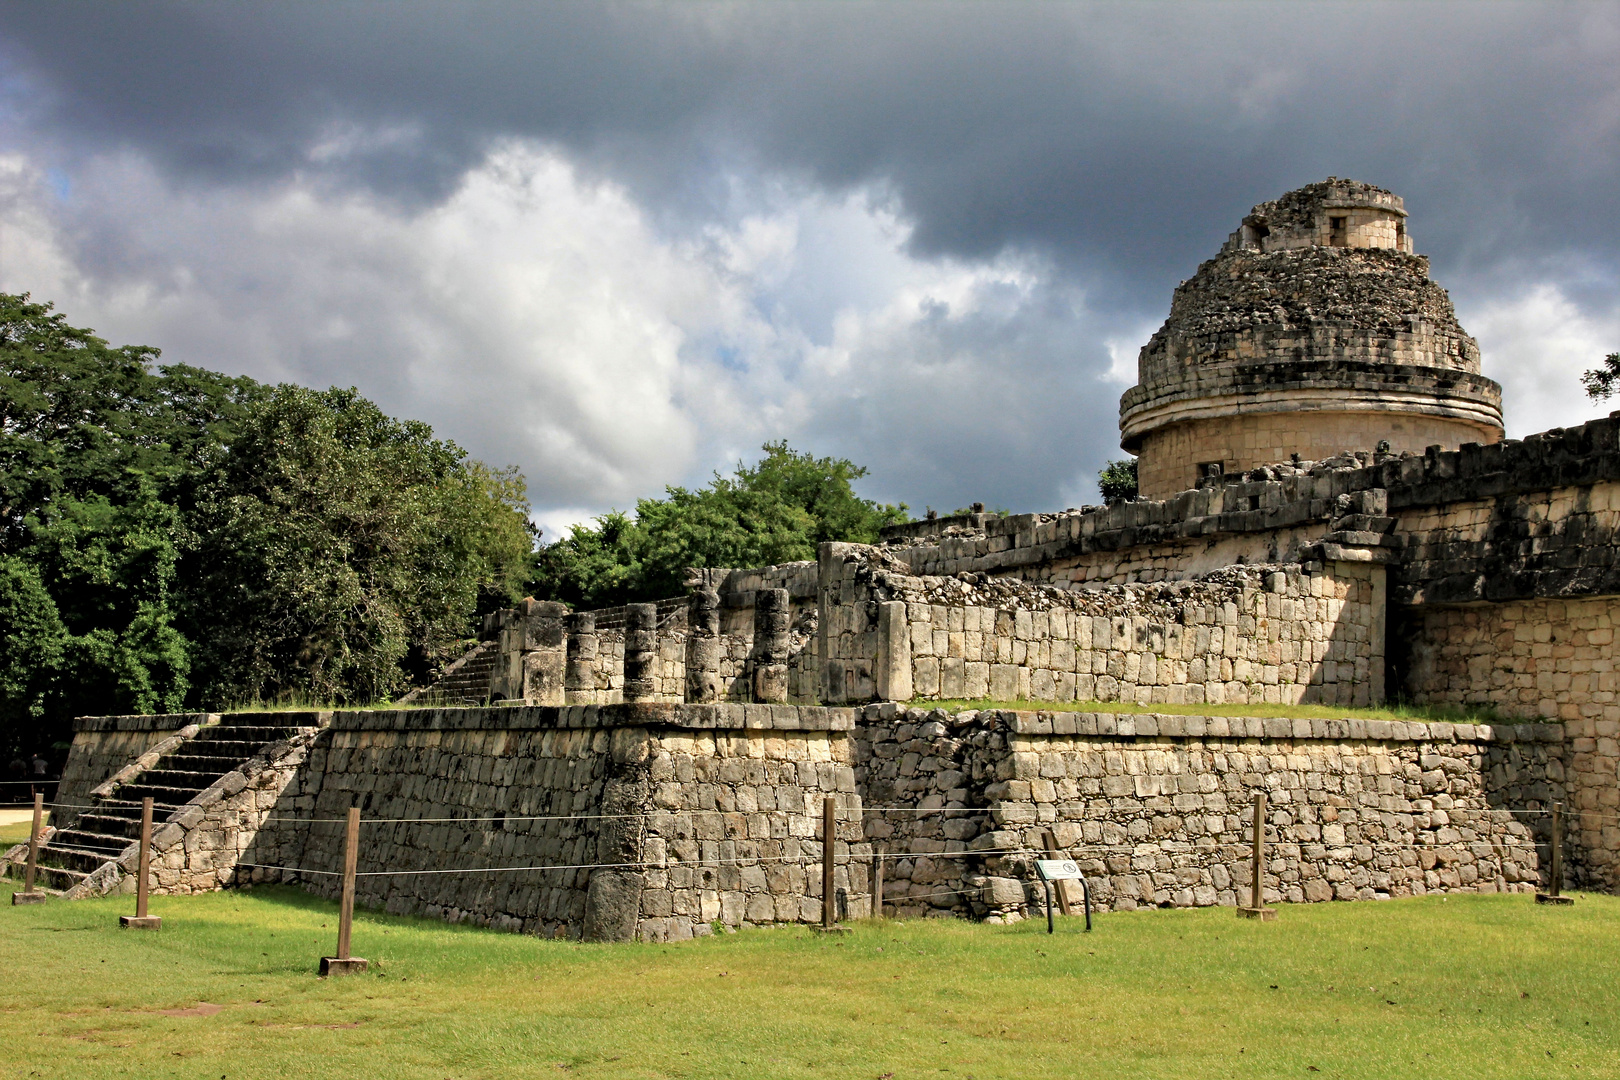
[[1336, 231]]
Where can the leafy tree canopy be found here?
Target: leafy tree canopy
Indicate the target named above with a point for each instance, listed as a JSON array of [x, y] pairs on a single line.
[[171, 537], [1602, 382], [1117, 481], [774, 511], [340, 540]]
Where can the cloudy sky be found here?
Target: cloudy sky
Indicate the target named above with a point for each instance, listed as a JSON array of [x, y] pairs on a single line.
[[621, 246]]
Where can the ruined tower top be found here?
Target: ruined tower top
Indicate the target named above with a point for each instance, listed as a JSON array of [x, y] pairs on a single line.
[[1333, 213], [1314, 331]]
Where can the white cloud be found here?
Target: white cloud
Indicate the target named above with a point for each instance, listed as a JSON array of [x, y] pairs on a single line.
[[1536, 344], [539, 317]]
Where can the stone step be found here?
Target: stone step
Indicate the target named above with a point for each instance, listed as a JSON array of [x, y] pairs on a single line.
[[163, 798], [55, 878], [100, 823], [92, 839], [122, 810], [233, 750], [260, 736], [71, 857], [177, 778], [198, 763]]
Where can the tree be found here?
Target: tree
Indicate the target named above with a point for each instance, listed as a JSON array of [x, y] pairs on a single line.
[[87, 463], [775, 511], [337, 540], [30, 658], [1602, 382], [1117, 481], [172, 537]]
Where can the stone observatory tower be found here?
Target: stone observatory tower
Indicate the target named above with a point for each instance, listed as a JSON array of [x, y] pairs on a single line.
[[1314, 331]]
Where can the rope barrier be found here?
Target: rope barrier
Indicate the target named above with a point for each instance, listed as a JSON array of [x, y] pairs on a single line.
[[1075, 854]]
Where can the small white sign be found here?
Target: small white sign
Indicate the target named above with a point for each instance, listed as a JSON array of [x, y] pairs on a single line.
[[1057, 869]]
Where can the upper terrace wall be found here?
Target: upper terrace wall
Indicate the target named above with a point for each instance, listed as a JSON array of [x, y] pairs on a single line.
[[1274, 634], [1514, 520], [1508, 520]]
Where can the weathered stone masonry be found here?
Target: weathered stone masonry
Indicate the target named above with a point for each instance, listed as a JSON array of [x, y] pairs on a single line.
[[1157, 807], [657, 822], [666, 818]]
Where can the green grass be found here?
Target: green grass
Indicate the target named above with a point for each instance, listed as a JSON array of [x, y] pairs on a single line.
[[1468, 987], [13, 834], [1308, 712]]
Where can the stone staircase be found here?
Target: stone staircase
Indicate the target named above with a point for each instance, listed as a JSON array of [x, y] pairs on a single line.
[[105, 831], [465, 682]]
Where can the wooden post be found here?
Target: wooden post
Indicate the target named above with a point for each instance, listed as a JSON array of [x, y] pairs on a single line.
[[343, 963], [141, 920], [877, 883], [829, 830], [1551, 896], [1065, 901], [1257, 882], [30, 895]]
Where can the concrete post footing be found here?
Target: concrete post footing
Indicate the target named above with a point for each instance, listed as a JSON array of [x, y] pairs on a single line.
[[331, 965]]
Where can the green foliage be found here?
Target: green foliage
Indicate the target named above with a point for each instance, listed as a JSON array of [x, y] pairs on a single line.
[[30, 650], [1117, 481], [1602, 382], [776, 511], [182, 538], [341, 539]]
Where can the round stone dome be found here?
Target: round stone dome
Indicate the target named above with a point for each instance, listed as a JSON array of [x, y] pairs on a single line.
[[1316, 330]]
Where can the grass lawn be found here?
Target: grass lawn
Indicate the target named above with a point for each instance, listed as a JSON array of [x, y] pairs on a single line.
[[1468, 986]]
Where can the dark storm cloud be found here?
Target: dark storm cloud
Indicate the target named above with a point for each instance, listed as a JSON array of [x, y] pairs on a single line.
[[1105, 149], [1125, 139]]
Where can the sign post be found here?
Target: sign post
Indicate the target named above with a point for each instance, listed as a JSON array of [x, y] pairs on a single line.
[[1050, 870]]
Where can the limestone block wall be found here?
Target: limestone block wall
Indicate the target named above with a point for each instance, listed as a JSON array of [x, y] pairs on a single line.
[[1157, 807], [1532, 659], [613, 822], [202, 845], [1278, 634], [1248, 635], [735, 833]]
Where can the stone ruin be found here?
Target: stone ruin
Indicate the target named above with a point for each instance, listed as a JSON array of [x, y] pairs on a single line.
[[1329, 516]]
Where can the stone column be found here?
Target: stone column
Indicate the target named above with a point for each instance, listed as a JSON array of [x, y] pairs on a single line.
[[544, 652], [703, 647], [506, 676], [640, 652], [579, 683], [893, 652], [773, 617]]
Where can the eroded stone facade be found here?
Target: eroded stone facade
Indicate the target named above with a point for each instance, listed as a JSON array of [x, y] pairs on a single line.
[[1314, 331]]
